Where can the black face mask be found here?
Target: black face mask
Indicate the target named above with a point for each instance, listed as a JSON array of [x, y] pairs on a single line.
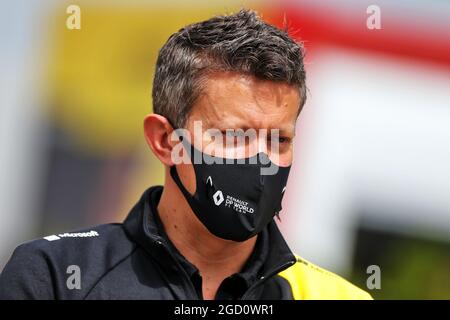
[[234, 201]]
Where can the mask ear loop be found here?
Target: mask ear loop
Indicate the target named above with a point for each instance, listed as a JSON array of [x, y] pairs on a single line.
[[189, 148], [174, 174], [176, 178], [277, 214], [173, 170]]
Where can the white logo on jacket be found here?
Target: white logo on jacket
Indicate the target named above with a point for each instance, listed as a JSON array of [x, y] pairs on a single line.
[[89, 234]]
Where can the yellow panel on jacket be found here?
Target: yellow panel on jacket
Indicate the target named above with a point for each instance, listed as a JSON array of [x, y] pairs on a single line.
[[310, 282]]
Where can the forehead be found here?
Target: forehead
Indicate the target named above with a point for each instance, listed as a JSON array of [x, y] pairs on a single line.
[[231, 100]]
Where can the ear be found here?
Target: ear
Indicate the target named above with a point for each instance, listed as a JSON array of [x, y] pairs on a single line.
[[158, 130]]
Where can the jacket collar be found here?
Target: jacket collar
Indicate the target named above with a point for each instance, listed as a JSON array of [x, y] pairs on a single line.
[[142, 227]]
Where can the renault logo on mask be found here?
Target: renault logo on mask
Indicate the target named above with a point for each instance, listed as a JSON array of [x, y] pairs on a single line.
[[218, 197]]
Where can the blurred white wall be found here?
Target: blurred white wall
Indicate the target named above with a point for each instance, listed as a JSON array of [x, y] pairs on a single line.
[[375, 138]]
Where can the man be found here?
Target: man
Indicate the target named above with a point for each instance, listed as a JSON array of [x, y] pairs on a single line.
[[226, 95]]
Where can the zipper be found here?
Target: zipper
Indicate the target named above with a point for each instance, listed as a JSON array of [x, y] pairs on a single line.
[[266, 277]]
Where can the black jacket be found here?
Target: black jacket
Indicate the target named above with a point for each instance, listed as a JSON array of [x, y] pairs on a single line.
[[135, 260]]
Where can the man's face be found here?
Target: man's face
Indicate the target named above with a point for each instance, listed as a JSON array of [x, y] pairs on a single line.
[[240, 102]]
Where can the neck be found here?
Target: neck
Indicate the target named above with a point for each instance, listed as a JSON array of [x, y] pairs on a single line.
[[215, 258]]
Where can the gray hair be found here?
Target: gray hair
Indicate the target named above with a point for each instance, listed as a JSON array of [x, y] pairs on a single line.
[[239, 42]]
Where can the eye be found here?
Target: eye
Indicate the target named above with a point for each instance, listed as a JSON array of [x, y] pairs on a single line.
[[284, 140]]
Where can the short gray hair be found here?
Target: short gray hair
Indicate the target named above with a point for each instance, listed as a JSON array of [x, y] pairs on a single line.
[[240, 42]]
